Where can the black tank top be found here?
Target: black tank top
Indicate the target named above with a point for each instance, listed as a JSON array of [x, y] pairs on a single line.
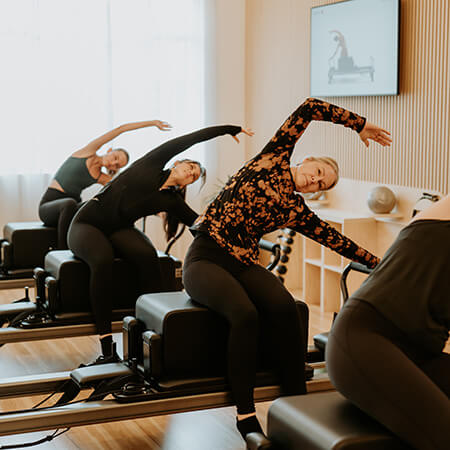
[[73, 176], [411, 285]]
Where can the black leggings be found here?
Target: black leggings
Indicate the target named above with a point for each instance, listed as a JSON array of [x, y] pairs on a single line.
[[97, 249], [247, 296], [372, 363], [57, 209]]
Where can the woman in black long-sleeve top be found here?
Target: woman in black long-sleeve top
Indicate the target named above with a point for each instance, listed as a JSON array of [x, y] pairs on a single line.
[[221, 268], [385, 352], [105, 224]]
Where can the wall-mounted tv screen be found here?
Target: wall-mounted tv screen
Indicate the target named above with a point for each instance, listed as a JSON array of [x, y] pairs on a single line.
[[355, 47]]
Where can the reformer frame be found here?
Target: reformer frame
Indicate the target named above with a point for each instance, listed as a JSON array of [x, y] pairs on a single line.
[[109, 410]]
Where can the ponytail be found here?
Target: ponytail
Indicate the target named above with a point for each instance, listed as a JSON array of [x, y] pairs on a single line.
[[170, 221]]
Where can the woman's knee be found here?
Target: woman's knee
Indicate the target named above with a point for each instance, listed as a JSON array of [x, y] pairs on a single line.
[[70, 207], [49, 214]]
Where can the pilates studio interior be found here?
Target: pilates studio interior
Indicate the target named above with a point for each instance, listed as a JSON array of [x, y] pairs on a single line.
[[137, 311]]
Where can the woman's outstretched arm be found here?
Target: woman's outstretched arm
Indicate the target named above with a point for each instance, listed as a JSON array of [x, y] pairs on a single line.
[[314, 109], [92, 147], [310, 225], [168, 150]]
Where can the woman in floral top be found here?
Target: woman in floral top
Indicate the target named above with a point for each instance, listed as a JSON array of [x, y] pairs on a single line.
[[221, 268]]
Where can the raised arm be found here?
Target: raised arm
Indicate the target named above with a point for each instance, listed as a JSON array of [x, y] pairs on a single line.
[[168, 150], [92, 147], [310, 225], [314, 109]]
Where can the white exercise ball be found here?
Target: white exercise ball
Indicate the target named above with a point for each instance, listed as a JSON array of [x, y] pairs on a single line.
[[381, 200]]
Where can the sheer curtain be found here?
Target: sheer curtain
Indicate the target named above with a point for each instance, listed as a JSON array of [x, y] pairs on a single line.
[[72, 70]]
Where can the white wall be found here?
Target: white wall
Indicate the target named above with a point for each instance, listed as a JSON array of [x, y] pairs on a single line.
[[225, 100], [225, 104]]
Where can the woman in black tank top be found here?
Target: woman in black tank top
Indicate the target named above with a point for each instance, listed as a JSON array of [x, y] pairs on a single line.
[[386, 350], [82, 169]]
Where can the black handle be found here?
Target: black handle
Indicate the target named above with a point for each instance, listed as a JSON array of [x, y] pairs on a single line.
[[352, 266], [273, 248]]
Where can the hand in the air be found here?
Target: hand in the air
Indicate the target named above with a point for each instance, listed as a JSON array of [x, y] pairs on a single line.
[[163, 126], [375, 133], [247, 131]]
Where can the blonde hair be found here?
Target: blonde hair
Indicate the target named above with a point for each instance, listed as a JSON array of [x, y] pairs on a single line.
[[331, 162]]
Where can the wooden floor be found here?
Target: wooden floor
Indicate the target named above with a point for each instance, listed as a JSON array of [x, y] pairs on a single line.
[[201, 430]]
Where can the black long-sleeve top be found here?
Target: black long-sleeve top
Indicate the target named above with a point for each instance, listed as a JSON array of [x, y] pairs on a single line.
[[261, 196], [411, 285], [136, 193]]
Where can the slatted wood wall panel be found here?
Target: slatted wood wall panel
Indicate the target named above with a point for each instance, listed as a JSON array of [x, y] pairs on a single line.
[[418, 118]]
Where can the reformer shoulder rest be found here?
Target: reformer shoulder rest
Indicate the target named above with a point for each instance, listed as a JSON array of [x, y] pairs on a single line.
[[24, 246], [183, 339], [67, 282], [322, 421]]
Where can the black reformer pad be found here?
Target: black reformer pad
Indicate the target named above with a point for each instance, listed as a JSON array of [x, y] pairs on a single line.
[[324, 421], [24, 246], [180, 344], [62, 288]]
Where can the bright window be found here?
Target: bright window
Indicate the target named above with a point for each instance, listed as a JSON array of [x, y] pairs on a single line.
[[72, 70]]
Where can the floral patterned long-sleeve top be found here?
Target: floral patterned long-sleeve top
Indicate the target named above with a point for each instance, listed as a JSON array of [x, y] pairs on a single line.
[[261, 196]]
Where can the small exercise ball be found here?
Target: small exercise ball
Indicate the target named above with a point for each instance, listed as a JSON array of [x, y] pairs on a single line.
[[381, 200]]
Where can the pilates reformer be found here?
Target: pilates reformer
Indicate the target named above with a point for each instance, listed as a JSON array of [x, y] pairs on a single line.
[[62, 306], [23, 247], [174, 359]]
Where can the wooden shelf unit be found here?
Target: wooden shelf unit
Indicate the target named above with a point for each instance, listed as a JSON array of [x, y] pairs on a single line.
[[322, 267]]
